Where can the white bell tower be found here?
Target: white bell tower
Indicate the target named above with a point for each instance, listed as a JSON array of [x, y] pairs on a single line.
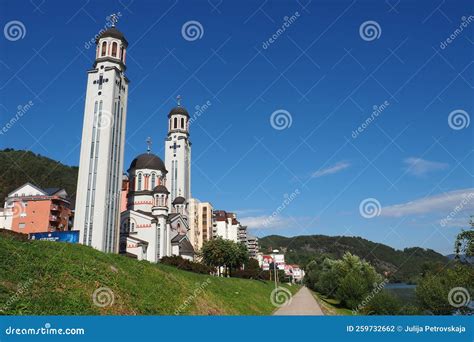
[[178, 154], [102, 147]]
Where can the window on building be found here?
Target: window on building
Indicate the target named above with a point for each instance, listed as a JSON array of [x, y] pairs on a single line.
[[139, 187], [114, 49], [21, 225], [104, 49], [175, 123], [182, 123], [153, 181], [132, 227]]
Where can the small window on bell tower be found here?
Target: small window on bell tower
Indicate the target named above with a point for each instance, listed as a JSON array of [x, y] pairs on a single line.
[[104, 49], [114, 49]]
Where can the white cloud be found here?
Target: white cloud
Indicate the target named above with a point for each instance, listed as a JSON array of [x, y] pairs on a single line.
[[264, 222], [331, 169], [418, 166], [442, 204]]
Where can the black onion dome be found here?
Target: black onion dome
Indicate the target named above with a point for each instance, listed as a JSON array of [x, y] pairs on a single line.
[[148, 161], [179, 200], [113, 33], [178, 110], [160, 189]]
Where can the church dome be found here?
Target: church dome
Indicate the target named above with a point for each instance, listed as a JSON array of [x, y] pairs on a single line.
[[148, 161], [113, 33], [161, 189], [179, 200], [178, 110]]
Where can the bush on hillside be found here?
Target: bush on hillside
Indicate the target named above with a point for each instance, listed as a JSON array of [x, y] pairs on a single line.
[[349, 280], [186, 265], [436, 289]]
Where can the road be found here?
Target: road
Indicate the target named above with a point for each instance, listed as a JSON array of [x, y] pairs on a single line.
[[302, 304]]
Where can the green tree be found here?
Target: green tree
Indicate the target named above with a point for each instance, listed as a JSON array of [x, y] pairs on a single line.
[[226, 254], [465, 241]]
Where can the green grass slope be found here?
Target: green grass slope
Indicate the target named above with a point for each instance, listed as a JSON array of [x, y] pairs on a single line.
[[50, 278]]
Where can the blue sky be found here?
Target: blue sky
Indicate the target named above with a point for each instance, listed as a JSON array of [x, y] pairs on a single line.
[[323, 72]]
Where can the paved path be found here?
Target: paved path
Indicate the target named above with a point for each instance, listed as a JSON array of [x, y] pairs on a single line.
[[302, 304]]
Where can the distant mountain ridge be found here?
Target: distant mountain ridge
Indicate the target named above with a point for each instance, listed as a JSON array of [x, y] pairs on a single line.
[[18, 167], [403, 265]]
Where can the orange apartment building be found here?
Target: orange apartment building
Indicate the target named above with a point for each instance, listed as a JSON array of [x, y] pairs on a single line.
[[30, 209]]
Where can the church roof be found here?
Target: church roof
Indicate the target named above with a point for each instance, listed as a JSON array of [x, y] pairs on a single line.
[[148, 161], [178, 110], [161, 189], [179, 200], [113, 33]]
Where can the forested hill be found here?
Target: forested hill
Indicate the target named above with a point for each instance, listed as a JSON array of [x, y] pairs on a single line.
[[404, 265], [18, 167]]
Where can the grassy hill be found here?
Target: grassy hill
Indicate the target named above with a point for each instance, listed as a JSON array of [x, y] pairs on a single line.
[[18, 167], [405, 265], [50, 278]]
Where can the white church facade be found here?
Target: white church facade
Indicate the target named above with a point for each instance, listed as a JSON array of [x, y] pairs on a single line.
[[155, 222]]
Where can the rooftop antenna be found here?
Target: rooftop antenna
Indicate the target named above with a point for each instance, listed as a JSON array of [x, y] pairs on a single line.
[[148, 143]]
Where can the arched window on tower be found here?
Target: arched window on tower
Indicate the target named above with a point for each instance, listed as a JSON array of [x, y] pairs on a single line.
[[139, 187], [121, 53], [104, 49], [114, 49], [175, 123], [182, 123], [153, 181]]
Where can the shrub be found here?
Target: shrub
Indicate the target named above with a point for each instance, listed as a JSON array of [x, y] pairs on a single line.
[[433, 291], [383, 303], [185, 264]]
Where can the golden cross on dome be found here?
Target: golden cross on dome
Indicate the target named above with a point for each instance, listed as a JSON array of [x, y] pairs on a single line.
[[148, 143]]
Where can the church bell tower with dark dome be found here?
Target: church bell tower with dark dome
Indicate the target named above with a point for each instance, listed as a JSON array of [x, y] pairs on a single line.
[[178, 154]]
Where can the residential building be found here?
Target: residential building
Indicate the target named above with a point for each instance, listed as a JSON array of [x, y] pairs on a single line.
[[200, 222], [252, 245], [30, 209]]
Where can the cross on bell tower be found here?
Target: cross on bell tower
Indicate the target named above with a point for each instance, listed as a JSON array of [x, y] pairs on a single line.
[[149, 142], [178, 100]]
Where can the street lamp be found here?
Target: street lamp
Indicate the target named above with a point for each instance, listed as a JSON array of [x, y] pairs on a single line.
[[275, 268]]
